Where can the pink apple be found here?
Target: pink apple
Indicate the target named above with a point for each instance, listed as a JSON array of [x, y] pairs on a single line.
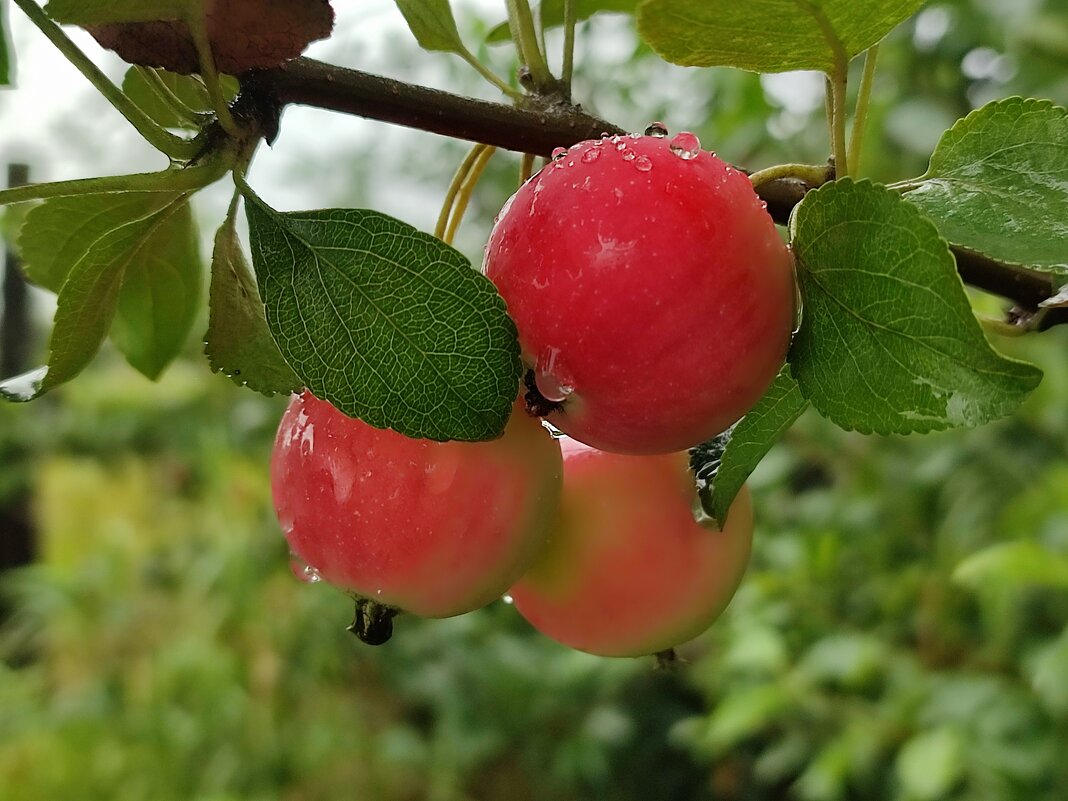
[[628, 570]]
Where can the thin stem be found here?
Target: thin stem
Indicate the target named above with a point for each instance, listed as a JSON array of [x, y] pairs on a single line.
[[464, 197], [174, 147], [182, 180], [526, 168], [860, 117], [525, 34], [454, 189], [489, 74], [198, 27], [836, 85], [812, 174], [169, 98], [570, 20]]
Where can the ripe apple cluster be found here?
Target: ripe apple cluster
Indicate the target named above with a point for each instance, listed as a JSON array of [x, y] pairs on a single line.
[[654, 301]]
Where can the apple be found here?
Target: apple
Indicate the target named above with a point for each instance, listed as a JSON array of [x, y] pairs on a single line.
[[433, 528], [244, 35], [629, 571], [653, 295]]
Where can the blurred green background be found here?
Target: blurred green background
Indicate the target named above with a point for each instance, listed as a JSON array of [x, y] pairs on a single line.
[[902, 633]]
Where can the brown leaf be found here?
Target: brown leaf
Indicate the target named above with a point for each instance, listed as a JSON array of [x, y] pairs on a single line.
[[244, 35]]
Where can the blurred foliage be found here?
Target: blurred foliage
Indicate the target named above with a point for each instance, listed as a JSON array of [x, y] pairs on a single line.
[[902, 634]]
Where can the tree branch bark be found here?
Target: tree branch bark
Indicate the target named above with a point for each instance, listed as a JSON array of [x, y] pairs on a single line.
[[538, 128]]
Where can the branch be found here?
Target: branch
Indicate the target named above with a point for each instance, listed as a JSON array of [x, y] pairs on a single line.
[[537, 127]]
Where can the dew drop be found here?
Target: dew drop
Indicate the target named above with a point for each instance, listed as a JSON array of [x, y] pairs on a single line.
[[643, 164], [657, 130], [634, 136], [630, 155], [23, 387], [508, 599], [621, 146], [303, 571], [552, 384], [559, 153], [591, 155], [686, 146]]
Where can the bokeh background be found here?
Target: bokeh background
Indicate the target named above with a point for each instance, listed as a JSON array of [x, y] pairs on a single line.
[[902, 634]]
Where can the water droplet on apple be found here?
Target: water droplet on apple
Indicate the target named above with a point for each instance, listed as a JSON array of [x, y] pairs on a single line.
[[643, 164], [686, 146], [508, 599], [630, 155], [621, 145], [303, 571], [552, 385], [657, 130], [552, 389], [307, 440], [591, 155], [559, 153]]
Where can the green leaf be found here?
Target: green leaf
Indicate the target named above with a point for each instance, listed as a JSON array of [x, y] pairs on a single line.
[[552, 15], [1014, 564], [238, 342], [187, 89], [752, 438], [433, 24], [160, 282], [998, 184], [57, 233], [745, 713], [160, 294], [385, 322], [930, 764], [6, 71], [11, 220], [1048, 670], [769, 36], [94, 12], [95, 276], [888, 341]]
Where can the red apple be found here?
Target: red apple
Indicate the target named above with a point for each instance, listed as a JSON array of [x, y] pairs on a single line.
[[629, 571], [653, 296], [433, 528]]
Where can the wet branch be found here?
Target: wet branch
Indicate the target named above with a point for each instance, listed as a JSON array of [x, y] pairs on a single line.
[[538, 127]]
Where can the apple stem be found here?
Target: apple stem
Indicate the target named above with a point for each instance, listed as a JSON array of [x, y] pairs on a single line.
[[668, 660], [372, 622]]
